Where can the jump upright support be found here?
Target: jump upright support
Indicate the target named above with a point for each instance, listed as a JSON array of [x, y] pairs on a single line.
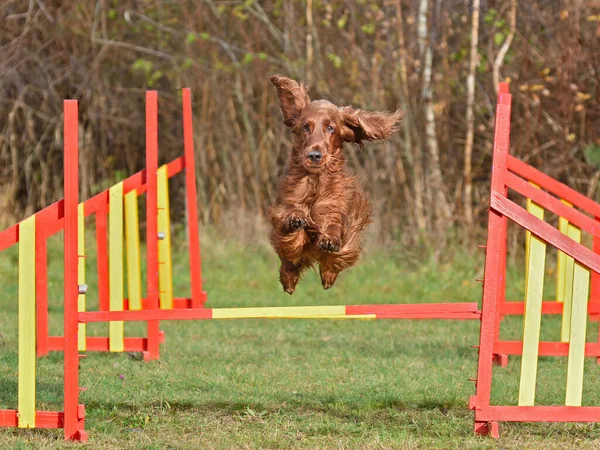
[[31, 235], [117, 234], [576, 214]]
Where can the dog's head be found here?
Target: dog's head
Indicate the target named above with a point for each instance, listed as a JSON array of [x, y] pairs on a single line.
[[321, 128]]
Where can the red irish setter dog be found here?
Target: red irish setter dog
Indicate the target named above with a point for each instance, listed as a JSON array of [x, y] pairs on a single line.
[[321, 209]]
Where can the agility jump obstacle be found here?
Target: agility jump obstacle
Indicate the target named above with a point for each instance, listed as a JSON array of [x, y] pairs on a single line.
[[115, 211], [576, 213], [119, 203]]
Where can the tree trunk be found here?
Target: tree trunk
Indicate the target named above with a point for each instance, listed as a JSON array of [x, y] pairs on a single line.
[[414, 151], [309, 41], [435, 182], [467, 174]]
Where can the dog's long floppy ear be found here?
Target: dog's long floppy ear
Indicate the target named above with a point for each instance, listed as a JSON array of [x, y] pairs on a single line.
[[362, 126], [293, 98]]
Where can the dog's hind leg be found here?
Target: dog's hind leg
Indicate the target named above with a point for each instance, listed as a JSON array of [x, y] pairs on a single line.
[[328, 276], [331, 264], [289, 275]]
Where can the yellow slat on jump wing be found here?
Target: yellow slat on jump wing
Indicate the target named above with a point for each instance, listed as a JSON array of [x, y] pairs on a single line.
[[115, 265], [82, 332], [574, 233], [561, 274], [165, 271], [536, 262], [132, 242], [287, 312], [26, 408], [581, 285], [536, 210]]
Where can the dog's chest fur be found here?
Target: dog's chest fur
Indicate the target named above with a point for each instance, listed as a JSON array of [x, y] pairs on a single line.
[[308, 189]]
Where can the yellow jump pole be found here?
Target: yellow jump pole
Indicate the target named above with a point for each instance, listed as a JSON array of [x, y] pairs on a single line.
[[581, 289], [281, 312], [82, 331], [561, 263], [533, 209], [536, 261], [115, 265], [574, 233], [132, 242], [165, 266], [26, 401]]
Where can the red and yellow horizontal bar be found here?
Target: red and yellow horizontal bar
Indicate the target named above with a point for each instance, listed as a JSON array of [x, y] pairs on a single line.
[[402, 311]]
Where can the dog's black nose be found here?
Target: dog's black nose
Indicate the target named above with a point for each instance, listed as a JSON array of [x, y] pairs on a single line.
[[315, 155]]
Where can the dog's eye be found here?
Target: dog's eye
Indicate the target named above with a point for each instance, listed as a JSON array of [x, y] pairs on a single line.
[[306, 128], [330, 129]]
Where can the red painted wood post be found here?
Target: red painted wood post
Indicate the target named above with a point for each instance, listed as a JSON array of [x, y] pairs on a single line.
[[493, 271], [595, 283], [72, 429], [41, 290], [500, 359], [153, 351], [198, 298], [102, 258]]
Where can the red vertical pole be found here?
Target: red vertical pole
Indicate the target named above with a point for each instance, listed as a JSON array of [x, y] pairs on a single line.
[[502, 360], [71, 259], [41, 290], [192, 206], [494, 266], [595, 284], [102, 259], [151, 221]]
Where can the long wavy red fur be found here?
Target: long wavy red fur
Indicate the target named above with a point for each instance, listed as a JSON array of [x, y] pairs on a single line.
[[321, 208]]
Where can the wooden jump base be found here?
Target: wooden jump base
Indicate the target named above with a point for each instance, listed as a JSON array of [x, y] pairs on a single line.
[[576, 301]]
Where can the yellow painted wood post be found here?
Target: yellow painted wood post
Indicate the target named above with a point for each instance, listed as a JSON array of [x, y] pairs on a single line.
[[132, 242], [561, 274], [280, 312], [536, 262], [165, 267], [115, 265], [534, 209], [82, 331], [581, 289], [574, 233], [26, 394]]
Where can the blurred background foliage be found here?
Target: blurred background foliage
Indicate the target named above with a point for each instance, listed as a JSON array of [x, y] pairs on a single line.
[[418, 54]]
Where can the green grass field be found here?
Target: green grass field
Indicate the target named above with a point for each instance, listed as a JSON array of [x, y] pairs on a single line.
[[294, 384]]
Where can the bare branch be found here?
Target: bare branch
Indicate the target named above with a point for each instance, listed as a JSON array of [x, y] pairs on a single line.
[[506, 44]]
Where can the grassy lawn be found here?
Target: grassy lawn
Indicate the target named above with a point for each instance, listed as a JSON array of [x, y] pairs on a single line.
[[294, 384]]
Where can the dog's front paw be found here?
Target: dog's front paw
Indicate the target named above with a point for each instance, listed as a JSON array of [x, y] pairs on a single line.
[[329, 245], [296, 223]]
